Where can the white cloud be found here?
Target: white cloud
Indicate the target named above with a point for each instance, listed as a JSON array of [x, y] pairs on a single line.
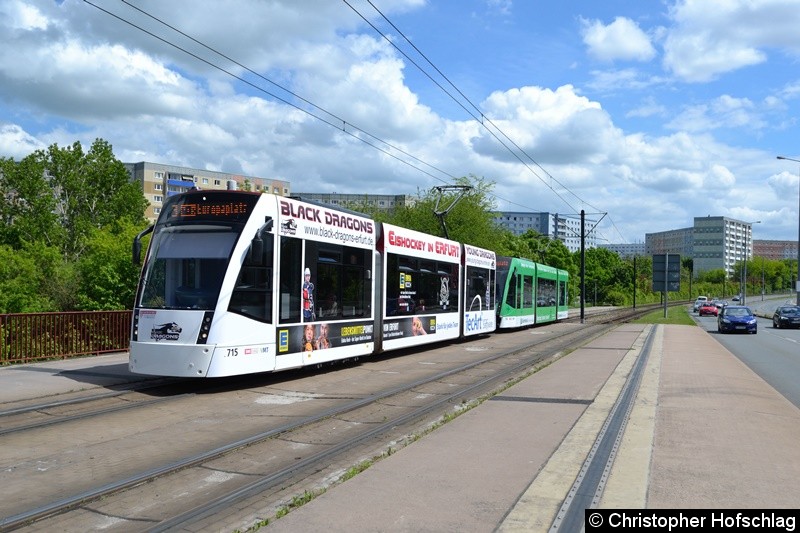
[[623, 79], [710, 40], [784, 184], [554, 125], [72, 73], [647, 108], [17, 143], [620, 40], [722, 112], [23, 16]]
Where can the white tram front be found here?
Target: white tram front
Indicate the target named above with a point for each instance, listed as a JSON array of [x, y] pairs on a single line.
[[238, 282]]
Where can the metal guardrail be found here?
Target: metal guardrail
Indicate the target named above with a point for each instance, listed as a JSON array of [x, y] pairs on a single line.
[[26, 337]]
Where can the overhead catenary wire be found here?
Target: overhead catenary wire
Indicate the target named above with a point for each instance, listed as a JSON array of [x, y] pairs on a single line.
[[338, 122], [483, 119], [328, 118], [470, 113]]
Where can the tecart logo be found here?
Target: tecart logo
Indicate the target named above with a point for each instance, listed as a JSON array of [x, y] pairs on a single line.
[[169, 331]]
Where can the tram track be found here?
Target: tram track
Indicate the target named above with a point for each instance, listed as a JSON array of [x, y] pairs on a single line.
[[49, 411], [372, 420]]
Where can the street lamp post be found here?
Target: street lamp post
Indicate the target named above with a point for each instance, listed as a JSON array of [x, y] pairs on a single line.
[[797, 288]]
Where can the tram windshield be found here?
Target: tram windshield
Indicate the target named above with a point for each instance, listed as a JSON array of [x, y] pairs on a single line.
[[186, 266]]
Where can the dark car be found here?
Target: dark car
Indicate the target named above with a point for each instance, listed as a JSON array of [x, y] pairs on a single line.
[[708, 309], [736, 318], [786, 316]]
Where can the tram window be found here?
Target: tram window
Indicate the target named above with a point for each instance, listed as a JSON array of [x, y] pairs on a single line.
[[329, 256], [200, 282], [291, 279], [415, 286], [527, 291], [511, 296], [252, 294], [340, 275], [406, 264], [562, 293], [545, 292], [328, 288], [478, 288], [187, 269], [448, 287], [154, 291], [400, 278], [427, 266], [357, 288]]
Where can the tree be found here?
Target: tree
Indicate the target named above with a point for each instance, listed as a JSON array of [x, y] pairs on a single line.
[[107, 275], [27, 203], [717, 275], [21, 283], [68, 219], [607, 277], [470, 220], [92, 190]]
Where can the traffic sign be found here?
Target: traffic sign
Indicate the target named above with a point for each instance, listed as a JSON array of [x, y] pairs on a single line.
[[666, 272]]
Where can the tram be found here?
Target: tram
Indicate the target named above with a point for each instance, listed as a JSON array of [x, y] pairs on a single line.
[[532, 293], [236, 282]]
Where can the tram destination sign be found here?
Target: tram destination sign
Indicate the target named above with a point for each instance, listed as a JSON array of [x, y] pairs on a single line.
[[666, 272], [209, 206]]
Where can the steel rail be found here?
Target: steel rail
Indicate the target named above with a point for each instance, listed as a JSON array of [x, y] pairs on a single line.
[[585, 493]]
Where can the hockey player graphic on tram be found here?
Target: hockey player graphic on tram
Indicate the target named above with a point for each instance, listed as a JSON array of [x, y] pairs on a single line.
[[309, 315]]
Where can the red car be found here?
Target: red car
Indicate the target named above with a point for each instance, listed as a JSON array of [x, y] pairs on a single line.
[[708, 309]]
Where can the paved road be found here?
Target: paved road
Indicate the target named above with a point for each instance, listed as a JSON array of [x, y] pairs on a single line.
[[773, 354]]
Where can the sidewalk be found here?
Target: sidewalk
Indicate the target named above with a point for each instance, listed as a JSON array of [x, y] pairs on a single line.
[[23, 382], [705, 433]]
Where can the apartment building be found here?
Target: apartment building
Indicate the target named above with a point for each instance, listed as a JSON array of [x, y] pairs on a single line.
[[776, 250], [624, 249], [674, 241], [720, 242], [161, 181], [566, 229], [379, 201]]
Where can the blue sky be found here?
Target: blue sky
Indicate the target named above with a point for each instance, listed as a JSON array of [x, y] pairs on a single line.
[[649, 112]]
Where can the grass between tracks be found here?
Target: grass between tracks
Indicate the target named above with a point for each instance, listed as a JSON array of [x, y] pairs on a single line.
[[677, 314]]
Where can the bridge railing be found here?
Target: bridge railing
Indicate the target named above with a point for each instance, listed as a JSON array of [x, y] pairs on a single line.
[[26, 337]]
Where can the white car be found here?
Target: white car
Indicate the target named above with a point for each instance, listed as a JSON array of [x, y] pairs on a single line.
[[700, 301]]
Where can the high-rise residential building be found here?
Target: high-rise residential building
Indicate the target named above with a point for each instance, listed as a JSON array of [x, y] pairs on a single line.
[[161, 181], [625, 249], [566, 229], [776, 250], [674, 241], [518, 222], [720, 243], [379, 201], [716, 242]]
